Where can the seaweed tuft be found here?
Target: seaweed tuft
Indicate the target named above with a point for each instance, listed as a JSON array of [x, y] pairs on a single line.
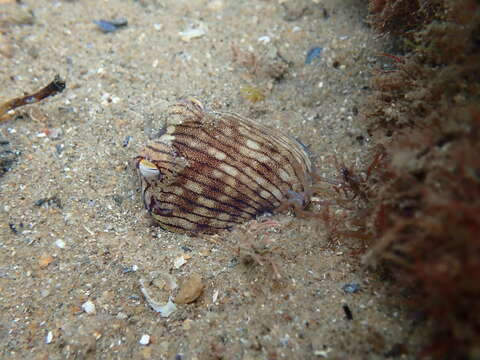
[[422, 204]]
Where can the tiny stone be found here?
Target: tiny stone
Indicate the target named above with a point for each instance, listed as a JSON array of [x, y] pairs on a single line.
[[59, 148], [88, 307], [233, 262], [127, 270], [122, 316], [13, 228], [45, 260], [351, 288], [186, 248], [60, 243], [145, 340], [179, 262], [191, 289], [126, 141]]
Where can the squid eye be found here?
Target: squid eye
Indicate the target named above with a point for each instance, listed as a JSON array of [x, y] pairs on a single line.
[[148, 169]]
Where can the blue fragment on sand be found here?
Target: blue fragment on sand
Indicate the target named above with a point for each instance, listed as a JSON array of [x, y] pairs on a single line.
[[110, 26], [313, 54], [351, 288]]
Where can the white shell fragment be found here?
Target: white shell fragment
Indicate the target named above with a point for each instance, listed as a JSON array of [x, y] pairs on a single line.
[[179, 262], [191, 34], [148, 171], [215, 296], [165, 310], [264, 39], [49, 338], [89, 307], [322, 353], [145, 339]]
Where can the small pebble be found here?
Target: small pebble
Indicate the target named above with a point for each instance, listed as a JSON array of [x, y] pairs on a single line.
[[351, 288], [127, 270], [190, 290], [186, 248], [313, 54], [233, 262], [126, 141], [145, 339], [179, 262], [45, 260], [89, 307], [13, 228], [60, 243], [59, 148], [47, 202], [122, 316]]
